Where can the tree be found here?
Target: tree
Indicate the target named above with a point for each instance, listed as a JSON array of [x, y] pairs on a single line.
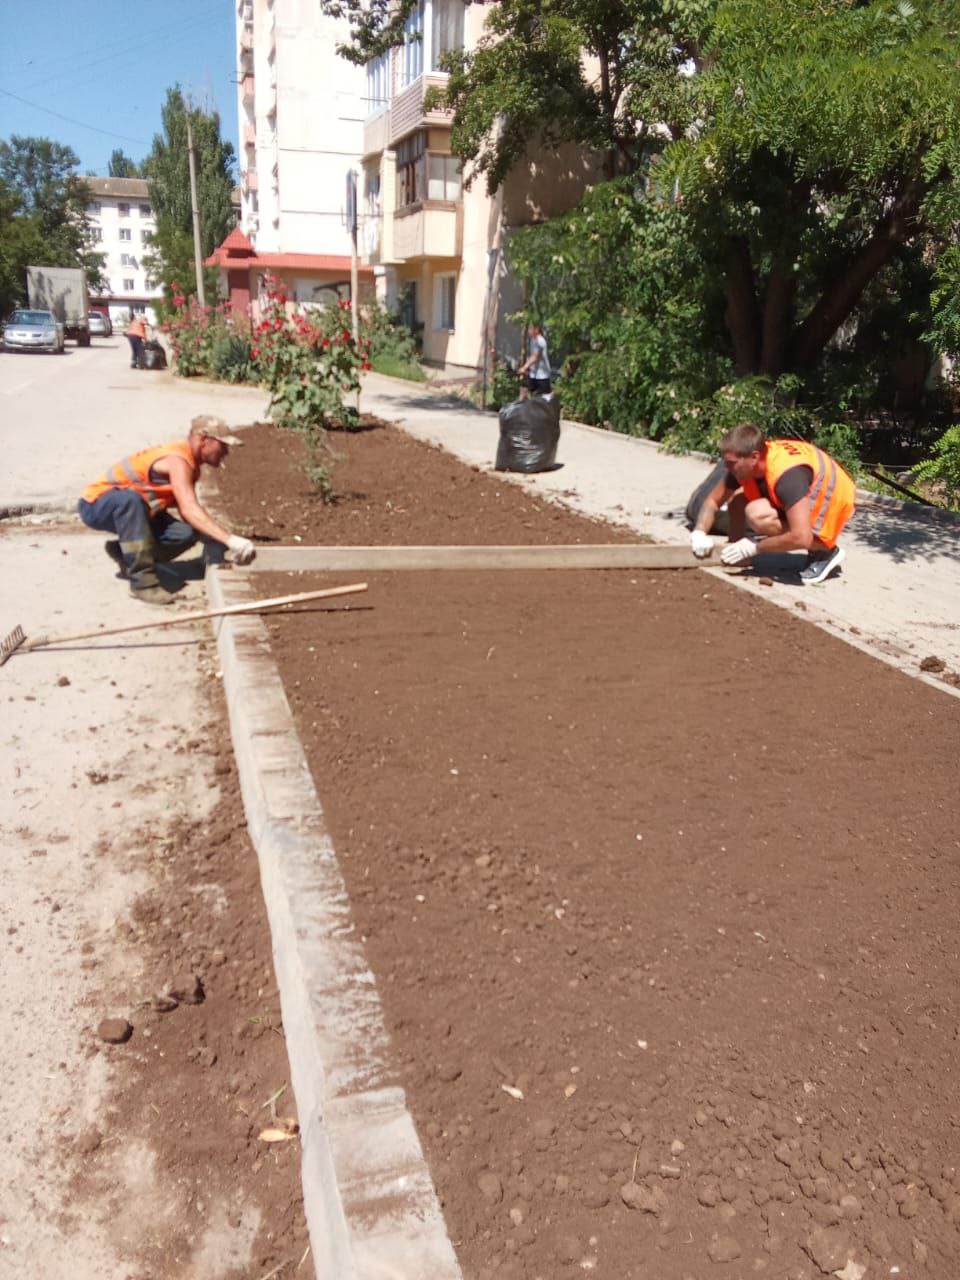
[[43, 204], [121, 166], [167, 171], [830, 150]]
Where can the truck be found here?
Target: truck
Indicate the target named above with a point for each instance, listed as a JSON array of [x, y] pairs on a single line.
[[62, 290]]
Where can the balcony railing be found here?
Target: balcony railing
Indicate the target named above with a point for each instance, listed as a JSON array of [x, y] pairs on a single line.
[[406, 108], [428, 230]]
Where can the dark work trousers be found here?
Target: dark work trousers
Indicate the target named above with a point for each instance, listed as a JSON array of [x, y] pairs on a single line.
[[136, 351], [145, 540]]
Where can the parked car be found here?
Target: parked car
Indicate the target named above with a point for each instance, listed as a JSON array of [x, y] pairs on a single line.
[[100, 325], [29, 330]]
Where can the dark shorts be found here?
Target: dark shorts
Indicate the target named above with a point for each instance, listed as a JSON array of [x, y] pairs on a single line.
[[537, 386]]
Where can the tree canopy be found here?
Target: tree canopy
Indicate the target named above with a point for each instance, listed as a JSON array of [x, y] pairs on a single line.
[[43, 203], [121, 166], [167, 171]]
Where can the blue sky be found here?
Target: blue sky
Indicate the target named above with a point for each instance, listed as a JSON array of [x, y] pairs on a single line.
[[104, 67]]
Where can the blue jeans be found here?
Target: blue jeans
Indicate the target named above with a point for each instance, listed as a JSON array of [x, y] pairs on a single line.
[[145, 540], [136, 351]]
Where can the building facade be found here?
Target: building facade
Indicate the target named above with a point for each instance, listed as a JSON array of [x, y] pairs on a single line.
[[121, 222], [301, 110], [437, 246]]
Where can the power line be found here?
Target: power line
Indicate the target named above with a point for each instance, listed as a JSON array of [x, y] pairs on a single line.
[[108, 45], [121, 52], [121, 137]]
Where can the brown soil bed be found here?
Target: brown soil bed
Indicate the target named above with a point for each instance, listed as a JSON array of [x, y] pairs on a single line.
[[191, 1085], [673, 865]]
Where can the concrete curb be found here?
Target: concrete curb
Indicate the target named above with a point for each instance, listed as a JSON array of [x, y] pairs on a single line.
[[371, 1208]]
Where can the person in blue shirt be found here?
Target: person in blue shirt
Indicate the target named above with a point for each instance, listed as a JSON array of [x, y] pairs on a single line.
[[535, 370]]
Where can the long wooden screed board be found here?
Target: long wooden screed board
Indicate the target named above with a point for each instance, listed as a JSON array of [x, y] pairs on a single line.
[[351, 559]]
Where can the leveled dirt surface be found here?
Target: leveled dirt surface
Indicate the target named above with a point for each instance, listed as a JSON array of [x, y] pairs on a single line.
[[659, 885]]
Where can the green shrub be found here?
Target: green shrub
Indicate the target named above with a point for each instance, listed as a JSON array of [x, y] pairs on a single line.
[[391, 347], [943, 469], [230, 359]]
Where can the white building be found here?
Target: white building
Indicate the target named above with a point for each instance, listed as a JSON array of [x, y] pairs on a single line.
[[122, 224], [301, 111]]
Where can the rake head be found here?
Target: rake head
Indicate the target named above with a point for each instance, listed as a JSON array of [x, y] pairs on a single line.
[[10, 643]]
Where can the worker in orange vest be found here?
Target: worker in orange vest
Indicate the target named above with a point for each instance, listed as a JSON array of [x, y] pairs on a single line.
[[133, 500], [136, 335], [795, 496]]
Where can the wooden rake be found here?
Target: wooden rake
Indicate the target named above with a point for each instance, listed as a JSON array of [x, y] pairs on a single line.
[[18, 642]]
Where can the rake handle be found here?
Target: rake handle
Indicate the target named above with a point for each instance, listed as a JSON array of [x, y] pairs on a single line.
[[255, 606]]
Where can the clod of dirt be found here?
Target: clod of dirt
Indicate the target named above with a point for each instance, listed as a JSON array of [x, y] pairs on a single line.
[[932, 663], [163, 1004], [765, 582], [829, 1249], [723, 1249], [186, 988], [115, 1030], [491, 1188], [63, 682], [567, 1249], [88, 1141], [96, 777], [646, 1199], [448, 1072]]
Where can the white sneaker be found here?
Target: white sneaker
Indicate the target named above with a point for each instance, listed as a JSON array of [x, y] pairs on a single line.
[[820, 566]]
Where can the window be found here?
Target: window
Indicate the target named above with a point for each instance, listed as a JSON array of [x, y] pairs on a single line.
[[123, 210], [444, 302], [410, 162], [95, 234], [447, 29], [145, 211], [378, 83], [93, 207], [443, 181], [128, 286], [127, 260], [146, 237], [411, 66], [125, 233]]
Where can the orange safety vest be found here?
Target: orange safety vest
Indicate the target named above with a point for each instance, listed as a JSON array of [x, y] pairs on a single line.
[[137, 328], [832, 493], [133, 472]]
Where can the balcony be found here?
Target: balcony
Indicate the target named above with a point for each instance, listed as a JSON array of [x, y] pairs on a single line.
[[428, 230], [246, 88], [406, 108], [249, 134], [251, 182], [376, 134]]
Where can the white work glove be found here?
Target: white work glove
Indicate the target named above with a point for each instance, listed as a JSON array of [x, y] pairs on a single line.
[[739, 552], [242, 549], [701, 544]]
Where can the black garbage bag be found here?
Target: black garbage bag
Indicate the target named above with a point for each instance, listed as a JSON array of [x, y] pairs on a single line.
[[153, 356], [721, 523], [529, 435]]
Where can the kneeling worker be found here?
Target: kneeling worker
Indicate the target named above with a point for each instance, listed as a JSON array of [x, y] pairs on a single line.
[[795, 496], [132, 499]]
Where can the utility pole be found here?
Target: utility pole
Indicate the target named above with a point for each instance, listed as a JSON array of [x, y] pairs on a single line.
[[352, 228], [197, 256]]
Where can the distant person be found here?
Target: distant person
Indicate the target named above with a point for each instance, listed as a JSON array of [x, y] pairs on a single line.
[[795, 496], [133, 500], [535, 370], [136, 336]]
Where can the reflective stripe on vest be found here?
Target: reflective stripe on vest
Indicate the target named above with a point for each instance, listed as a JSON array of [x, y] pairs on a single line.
[[133, 472]]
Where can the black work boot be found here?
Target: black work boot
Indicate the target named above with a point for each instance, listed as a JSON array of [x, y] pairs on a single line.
[[112, 548]]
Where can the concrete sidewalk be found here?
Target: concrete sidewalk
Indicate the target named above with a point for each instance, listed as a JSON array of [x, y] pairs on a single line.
[[897, 597]]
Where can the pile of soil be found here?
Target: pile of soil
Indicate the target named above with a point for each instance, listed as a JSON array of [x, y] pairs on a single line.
[[199, 1070], [658, 883]]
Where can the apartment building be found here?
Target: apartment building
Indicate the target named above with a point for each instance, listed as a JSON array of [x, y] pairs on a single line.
[[121, 223], [436, 246], [301, 111]]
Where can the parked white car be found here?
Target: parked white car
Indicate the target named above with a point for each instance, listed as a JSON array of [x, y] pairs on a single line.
[[99, 324], [29, 330]]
